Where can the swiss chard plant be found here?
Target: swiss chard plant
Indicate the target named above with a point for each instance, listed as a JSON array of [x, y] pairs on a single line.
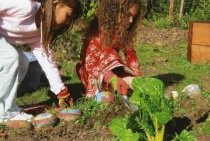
[[154, 111], [184, 136]]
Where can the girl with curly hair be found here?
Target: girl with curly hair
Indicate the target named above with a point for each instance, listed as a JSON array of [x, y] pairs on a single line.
[[113, 30], [35, 23]]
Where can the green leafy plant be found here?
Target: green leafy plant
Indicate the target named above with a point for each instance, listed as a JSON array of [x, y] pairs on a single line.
[[148, 95], [118, 127], [91, 11], [184, 136], [89, 108], [154, 111]]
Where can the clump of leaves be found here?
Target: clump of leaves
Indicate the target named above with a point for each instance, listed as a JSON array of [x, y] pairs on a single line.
[[89, 108], [185, 136], [91, 11], [154, 111], [118, 127]]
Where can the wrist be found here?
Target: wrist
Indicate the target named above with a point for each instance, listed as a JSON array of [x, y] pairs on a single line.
[[64, 93], [108, 76]]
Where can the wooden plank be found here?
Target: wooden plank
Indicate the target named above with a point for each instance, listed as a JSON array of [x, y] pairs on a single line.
[[200, 54], [201, 28], [200, 39], [189, 53]]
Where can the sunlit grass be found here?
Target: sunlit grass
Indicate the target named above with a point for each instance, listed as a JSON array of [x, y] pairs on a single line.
[[39, 96], [174, 61]]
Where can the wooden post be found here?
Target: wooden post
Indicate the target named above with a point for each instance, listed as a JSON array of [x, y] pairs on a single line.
[[181, 9], [171, 10]]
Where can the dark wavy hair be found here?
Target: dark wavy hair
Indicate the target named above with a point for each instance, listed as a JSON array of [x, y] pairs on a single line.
[[113, 16]]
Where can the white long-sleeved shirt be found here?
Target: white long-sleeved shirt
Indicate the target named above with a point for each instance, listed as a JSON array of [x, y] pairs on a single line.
[[17, 26]]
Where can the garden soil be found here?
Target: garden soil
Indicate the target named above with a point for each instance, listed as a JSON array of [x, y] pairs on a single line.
[[95, 128]]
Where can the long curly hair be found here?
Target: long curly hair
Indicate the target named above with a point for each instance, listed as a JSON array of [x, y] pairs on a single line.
[[113, 16]]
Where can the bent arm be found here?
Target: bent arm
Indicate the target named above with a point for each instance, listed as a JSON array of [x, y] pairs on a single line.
[[49, 67], [132, 60]]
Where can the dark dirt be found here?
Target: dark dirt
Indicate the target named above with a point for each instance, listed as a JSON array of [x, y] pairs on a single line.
[[95, 128], [161, 37]]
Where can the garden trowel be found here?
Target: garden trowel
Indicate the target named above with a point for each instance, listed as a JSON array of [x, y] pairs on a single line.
[[130, 106]]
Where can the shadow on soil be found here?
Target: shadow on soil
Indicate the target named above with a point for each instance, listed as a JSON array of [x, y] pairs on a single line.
[[170, 78], [76, 91], [176, 125]]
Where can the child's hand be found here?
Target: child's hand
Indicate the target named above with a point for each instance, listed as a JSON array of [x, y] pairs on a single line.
[[137, 72], [117, 83], [64, 98], [120, 85]]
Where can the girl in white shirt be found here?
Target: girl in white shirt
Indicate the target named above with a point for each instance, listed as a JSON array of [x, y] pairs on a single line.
[[35, 23]]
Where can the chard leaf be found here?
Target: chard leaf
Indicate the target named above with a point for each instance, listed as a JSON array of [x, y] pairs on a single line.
[[145, 122], [135, 98], [117, 126], [128, 135], [152, 86], [163, 117], [185, 136]]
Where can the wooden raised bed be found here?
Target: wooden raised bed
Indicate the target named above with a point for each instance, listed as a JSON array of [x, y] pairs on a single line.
[[199, 42]]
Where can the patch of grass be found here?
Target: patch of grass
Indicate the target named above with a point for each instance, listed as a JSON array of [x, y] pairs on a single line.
[[174, 61], [39, 96], [68, 71], [163, 23]]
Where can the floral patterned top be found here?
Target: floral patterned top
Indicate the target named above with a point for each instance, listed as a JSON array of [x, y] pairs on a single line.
[[95, 61]]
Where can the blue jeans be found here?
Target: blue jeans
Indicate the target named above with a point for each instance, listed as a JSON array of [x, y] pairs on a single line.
[[13, 67]]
